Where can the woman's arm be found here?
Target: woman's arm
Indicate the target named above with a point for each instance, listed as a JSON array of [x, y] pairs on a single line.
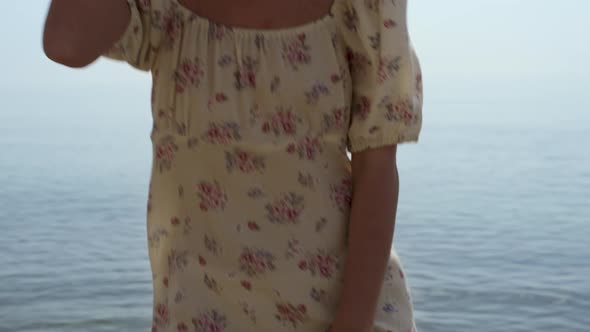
[[372, 221], [77, 32]]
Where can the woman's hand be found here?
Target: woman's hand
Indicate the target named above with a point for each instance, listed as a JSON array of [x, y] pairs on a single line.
[[77, 32]]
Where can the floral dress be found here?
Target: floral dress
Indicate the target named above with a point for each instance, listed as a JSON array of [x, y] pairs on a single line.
[[250, 189]]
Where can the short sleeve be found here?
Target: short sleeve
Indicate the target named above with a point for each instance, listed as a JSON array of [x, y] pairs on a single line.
[[386, 103], [137, 45]]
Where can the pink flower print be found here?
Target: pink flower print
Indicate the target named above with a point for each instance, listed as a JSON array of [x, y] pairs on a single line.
[[222, 133], [341, 194], [175, 221], [389, 23], [202, 261], [290, 313], [255, 262], [211, 321], [246, 74], [283, 121], [362, 108], [162, 315], [189, 73], [218, 98], [358, 63], [164, 152], [246, 284], [306, 148], [286, 209], [320, 263], [296, 52], [181, 327], [244, 162], [144, 5], [213, 198], [171, 25], [253, 226], [401, 111], [317, 89], [335, 120], [217, 31]]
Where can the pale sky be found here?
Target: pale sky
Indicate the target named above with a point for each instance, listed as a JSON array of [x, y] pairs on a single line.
[[470, 50]]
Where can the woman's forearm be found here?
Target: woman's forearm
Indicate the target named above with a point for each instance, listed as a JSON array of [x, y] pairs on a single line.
[[372, 221], [77, 32]]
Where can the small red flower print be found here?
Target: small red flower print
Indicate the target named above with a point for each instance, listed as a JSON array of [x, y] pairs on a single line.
[[171, 24], [290, 313], [246, 284], [245, 162], [296, 52], [202, 261], [282, 122], [255, 262], [175, 221], [246, 74], [222, 133], [358, 63], [341, 194], [335, 78], [217, 31], [181, 327], [220, 97], [210, 321], [286, 209], [335, 119], [306, 148], [165, 151], [389, 23], [161, 316], [319, 263], [189, 73], [252, 225], [362, 108], [213, 198], [400, 112]]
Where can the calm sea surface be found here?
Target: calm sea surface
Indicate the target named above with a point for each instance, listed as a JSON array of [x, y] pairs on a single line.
[[493, 223]]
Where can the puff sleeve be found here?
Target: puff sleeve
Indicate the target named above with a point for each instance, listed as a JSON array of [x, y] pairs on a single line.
[[386, 101], [138, 44]]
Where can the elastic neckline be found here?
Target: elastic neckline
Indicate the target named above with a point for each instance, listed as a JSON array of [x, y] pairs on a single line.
[[240, 30]]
